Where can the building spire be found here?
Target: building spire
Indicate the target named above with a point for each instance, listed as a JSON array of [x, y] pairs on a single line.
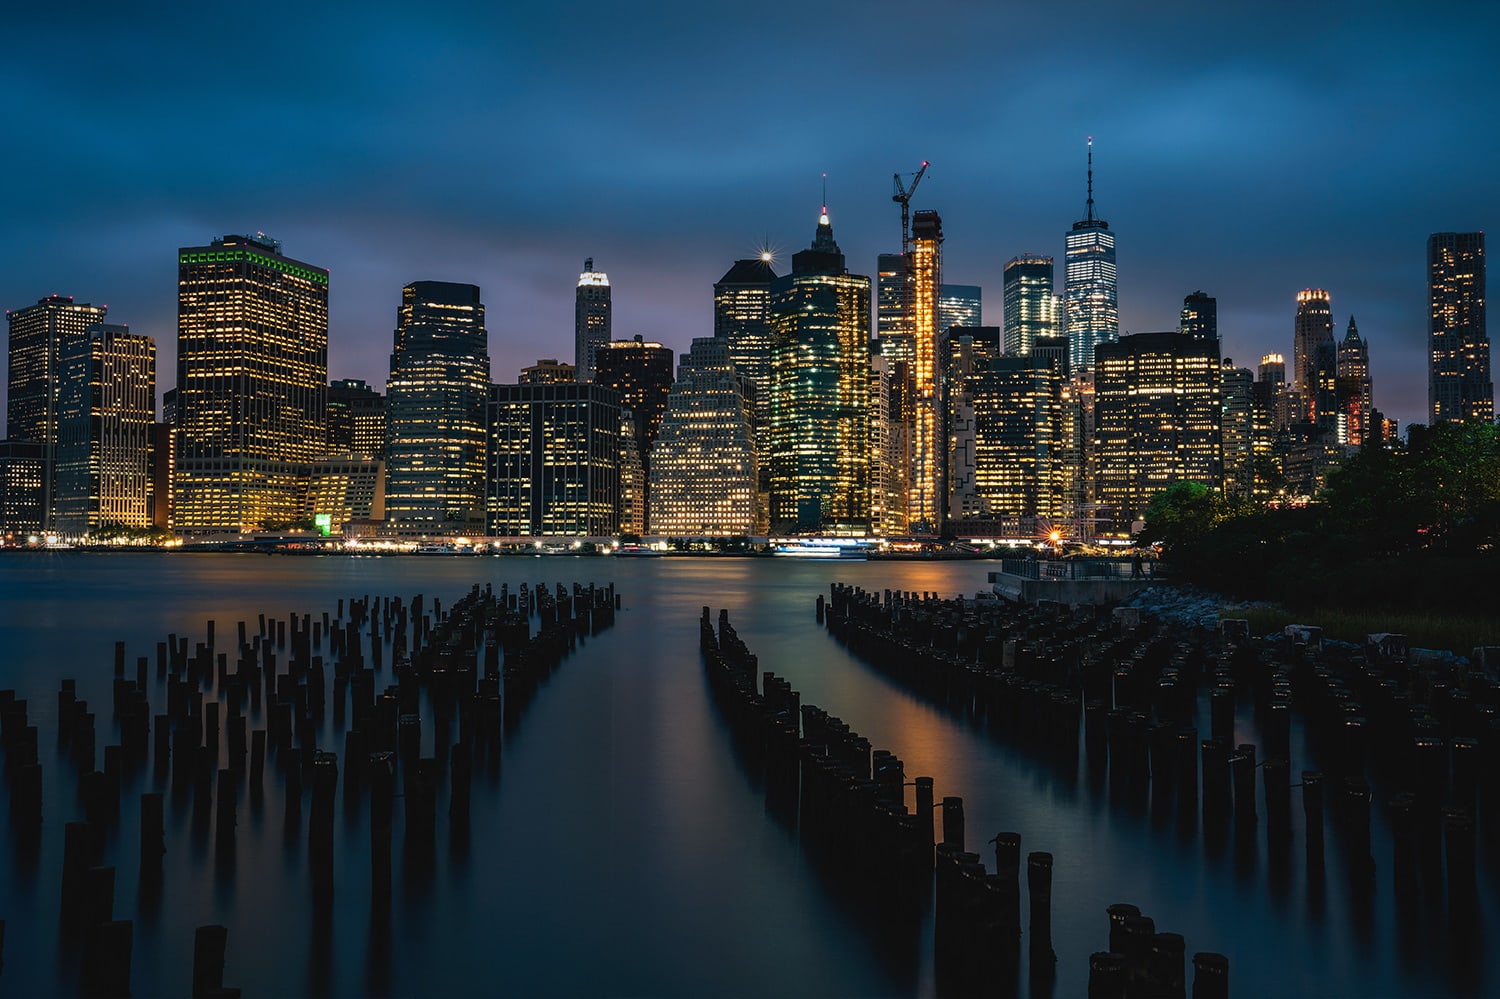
[[1090, 216]]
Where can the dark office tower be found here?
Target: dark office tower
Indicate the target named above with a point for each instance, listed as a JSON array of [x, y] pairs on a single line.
[[434, 416], [703, 478], [591, 319], [252, 385], [1200, 316], [641, 371], [554, 461], [888, 461], [891, 322], [1238, 421], [1019, 431], [1089, 288], [820, 458], [1313, 346], [959, 305], [549, 371], [356, 419], [742, 318], [1031, 309], [1158, 415], [1356, 391], [21, 468], [1458, 382], [106, 412], [926, 505], [36, 335]]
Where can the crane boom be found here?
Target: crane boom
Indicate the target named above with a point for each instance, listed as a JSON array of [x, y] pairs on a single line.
[[903, 197]]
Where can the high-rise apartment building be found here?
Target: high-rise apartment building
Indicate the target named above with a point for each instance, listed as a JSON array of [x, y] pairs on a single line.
[[1019, 439], [36, 335], [591, 318], [959, 305], [926, 505], [703, 477], [106, 418], [1089, 283], [554, 461], [1315, 360], [819, 409], [892, 323], [435, 411], [1200, 316], [1237, 397], [1158, 416], [356, 419], [252, 385], [1030, 309], [1458, 381]]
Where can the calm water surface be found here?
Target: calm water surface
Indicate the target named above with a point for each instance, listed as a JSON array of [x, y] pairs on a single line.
[[621, 850]]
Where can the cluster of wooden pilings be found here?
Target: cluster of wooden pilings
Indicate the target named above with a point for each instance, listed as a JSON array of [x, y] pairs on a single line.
[[848, 803], [1374, 719], [479, 660]]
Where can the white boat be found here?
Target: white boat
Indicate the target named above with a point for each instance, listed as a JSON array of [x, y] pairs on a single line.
[[821, 549]]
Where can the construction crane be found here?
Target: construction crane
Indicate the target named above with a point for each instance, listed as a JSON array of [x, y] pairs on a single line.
[[903, 197]]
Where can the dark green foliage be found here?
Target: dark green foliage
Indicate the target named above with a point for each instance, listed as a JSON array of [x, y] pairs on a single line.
[[1396, 527]]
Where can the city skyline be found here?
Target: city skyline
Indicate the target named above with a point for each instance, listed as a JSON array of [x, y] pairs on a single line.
[[1205, 164]]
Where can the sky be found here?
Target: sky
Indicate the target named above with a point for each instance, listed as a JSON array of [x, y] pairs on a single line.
[[1248, 150]]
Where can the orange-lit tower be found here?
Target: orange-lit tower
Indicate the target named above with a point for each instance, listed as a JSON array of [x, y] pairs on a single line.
[[925, 504]]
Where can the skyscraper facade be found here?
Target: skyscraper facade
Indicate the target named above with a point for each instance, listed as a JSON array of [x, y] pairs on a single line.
[[703, 477], [21, 468], [356, 419], [891, 321], [1018, 438], [742, 318], [592, 318], [926, 505], [1089, 283], [819, 411], [1200, 316], [106, 415], [1158, 416], [1030, 314], [1315, 357], [1458, 383], [962, 350], [1356, 390], [548, 371], [435, 411], [252, 385], [959, 305], [554, 461], [1238, 422], [641, 371], [36, 335]]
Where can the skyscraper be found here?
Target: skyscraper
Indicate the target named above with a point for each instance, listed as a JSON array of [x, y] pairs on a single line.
[[891, 321], [548, 371], [1458, 383], [591, 318], [435, 411], [356, 419], [106, 415], [21, 469], [703, 477], [820, 462], [1018, 438], [641, 371], [554, 460], [1356, 391], [959, 305], [252, 384], [1030, 308], [36, 335], [1093, 312], [1158, 416], [962, 350], [1200, 316], [1237, 399], [1314, 353], [926, 506]]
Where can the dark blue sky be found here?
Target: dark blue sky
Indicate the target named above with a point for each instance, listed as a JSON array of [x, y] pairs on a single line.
[[1249, 150]]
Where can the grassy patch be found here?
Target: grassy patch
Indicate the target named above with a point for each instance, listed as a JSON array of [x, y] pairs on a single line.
[[1456, 633]]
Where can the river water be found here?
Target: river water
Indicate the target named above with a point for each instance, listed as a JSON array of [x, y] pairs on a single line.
[[621, 850]]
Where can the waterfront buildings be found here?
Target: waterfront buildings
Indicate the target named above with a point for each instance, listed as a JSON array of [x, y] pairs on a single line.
[[553, 460], [36, 336], [1458, 382], [926, 504], [703, 472], [435, 411], [641, 371], [1019, 441], [356, 419], [252, 385], [345, 490], [819, 407], [106, 419], [591, 318], [961, 351], [1089, 283], [1158, 415], [1030, 309], [22, 470]]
